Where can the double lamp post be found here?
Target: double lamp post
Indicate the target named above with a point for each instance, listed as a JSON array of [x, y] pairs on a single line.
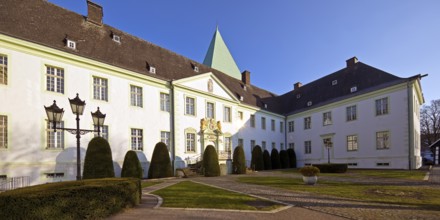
[[55, 115]]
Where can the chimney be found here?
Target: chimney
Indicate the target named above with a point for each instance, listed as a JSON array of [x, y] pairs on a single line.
[[351, 62], [297, 85], [94, 13], [246, 77]]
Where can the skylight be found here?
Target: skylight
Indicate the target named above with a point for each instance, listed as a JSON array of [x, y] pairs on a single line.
[[71, 44]]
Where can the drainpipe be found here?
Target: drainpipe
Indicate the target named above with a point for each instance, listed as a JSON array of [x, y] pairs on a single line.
[[410, 122], [173, 127], [285, 132]]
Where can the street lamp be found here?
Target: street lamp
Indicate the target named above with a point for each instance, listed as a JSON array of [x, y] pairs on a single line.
[[55, 114], [328, 144]]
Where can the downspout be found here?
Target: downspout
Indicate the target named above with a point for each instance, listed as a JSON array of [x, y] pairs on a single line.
[[285, 132], [172, 127], [410, 122]]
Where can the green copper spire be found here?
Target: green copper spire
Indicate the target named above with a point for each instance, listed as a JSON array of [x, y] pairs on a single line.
[[219, 57]]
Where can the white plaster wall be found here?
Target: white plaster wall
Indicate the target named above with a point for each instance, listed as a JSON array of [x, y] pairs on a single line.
[[365, 127]]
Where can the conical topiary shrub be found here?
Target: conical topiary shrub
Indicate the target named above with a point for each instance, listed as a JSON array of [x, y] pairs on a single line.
[[267, 160], [210, 162], [275, 157], [284, 158], [160, 166], [239, 161], [131, 167], [257, 162], [292, 158], [98, 162]]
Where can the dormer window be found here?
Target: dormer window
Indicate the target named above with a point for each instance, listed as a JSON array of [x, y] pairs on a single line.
[[196, 69], [309, 103], [265, 106], [298, 96], [353, 89], [71, 44], [244, 87], [152, 69], [116, 38], [334, 82], [241, 98]]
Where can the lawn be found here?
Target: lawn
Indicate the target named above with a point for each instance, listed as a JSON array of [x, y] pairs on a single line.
[[188, 194], [356, 173], [425, 197], [149, 183]]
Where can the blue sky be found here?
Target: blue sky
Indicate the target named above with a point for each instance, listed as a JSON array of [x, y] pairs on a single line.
[[286, 41]]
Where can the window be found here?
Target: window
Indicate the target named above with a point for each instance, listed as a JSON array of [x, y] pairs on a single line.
[[334, 82], [252, 145], [382, 106], [54, 175], [165, 102], [55, 79], [327, 118], [240, 142], [309, 103], [196, 69], [210, 110], [298, 96], [291, 125], [352, 164], [353, 89], [307, 147], [3, 177], [165, 137], [382, 164], [136, 96], [252, 121], [382, 140], [307, 123], [240, 115], [292, 146], [190, 142], [263, 145], [55, 140], [3, 132], [104, 131], [352, 143], [281, 146], [263, 123], [227, 114], [281, 126], [152, 70], [116, 38], [272, 125], [100, 89], [189, 106], [274, 146], [351, 113], [137, 139], [71, 44], [228, 144], [3, 69]]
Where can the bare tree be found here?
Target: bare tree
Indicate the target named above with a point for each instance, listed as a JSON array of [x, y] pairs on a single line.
[[430, 123]]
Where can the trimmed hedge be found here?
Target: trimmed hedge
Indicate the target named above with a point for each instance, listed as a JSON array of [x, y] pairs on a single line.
[[131, 167], [86, 199], [275, 157], [238, 161], [267, 161], [160, 166], [257, 162], [210, 162], [284, 158], [98, 162], [292, 158], [332, 167]]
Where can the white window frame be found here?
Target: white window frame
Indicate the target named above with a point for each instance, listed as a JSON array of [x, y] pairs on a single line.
[[240, 115], [307, 123], [227, 114], [137, 139], [383, 141], [3, 132], [327, 118], [351, 113], [272, 124], [263, 123], [281, 126], [228, 144], [165, 104], [54, 79], [307, 147], [165, 137], [190, 142], [274, 145], [291, 126], [382, 106], [353, 89], [252, 145], [240, 142], [190, 108], [252, 121], [210, 110], [103, 131], [54, 140], [263, 145], [281, 146], [3, 69], [71, 44], [292, 146], [100, 88], [352, 143], [136, 96]]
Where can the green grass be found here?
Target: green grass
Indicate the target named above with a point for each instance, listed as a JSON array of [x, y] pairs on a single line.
[[149, 183], [354, 173], [425, 197], [188, 194]]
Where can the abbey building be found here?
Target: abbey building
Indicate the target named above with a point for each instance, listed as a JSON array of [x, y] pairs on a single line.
[[358, 115]]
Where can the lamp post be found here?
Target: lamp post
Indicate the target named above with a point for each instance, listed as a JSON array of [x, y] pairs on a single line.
[[55, 114], [328, 144]]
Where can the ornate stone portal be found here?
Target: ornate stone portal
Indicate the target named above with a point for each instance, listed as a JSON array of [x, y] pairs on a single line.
[[211, 134]]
